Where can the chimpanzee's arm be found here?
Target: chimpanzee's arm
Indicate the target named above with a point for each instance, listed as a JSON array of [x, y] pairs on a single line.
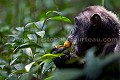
[[61, 62]]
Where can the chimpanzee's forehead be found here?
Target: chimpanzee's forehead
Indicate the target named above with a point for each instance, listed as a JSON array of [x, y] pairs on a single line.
[[94, 9], [89, 11], [84, 17]]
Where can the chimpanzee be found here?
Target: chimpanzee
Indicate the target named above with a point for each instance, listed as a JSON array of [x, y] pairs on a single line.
[[93, 27]]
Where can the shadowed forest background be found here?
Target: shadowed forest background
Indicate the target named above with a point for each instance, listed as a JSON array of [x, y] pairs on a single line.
[[29, 29]]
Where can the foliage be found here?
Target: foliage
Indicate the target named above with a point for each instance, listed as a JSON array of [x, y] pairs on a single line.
[[30, 28]]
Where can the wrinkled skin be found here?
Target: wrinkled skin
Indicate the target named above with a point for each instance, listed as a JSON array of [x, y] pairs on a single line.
[[94, 22]]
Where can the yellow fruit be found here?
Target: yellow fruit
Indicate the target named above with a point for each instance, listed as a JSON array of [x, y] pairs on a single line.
[[67, 44], [58, 46]]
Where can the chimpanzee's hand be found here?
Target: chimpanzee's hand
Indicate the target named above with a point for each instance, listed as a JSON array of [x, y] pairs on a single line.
[[60, 62], [60, 50]]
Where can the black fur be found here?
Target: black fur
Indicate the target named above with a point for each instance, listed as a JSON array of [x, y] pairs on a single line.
[[94, 26]]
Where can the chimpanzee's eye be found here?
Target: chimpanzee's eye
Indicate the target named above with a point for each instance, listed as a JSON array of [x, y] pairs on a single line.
[[77, 21]]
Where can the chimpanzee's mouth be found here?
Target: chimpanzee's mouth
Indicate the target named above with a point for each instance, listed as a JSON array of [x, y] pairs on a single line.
[[72, 39]]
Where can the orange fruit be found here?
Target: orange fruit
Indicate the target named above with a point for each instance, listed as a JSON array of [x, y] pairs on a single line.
[[58, 46], [67, 44]]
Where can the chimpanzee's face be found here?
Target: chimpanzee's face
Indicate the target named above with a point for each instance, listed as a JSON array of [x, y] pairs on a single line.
[[86, 26], [93, 25]]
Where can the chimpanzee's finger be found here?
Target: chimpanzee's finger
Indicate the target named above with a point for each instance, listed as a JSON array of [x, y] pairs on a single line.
[[66, 52], [54, 49], [58, 50]]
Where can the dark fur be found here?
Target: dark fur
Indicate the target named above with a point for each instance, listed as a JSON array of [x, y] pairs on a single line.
[[94, 22]]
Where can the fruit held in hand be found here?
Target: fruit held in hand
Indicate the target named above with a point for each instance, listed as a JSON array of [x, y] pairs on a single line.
[[58, 46], [67, 44]]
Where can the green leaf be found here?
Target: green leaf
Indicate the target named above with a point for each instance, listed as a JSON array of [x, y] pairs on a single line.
[[62, 18], [13, 61], [91, 63], [41, 33], [28, 51], [67, 74], [35, 68], [15, 72], [20, 29], [25, 76], [10, 44], [47, 65], [32, 37], [28, 25], [39, 24], [27, 67], [19, 66], [50, 56], [57, 12], [26, 46], [3, 73], [1, 78], [13, 36], [109, 59], [44, 61], [2, 66], [49, 78]]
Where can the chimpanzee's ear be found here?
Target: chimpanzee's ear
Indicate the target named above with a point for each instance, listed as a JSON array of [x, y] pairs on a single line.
[[96, 19]]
